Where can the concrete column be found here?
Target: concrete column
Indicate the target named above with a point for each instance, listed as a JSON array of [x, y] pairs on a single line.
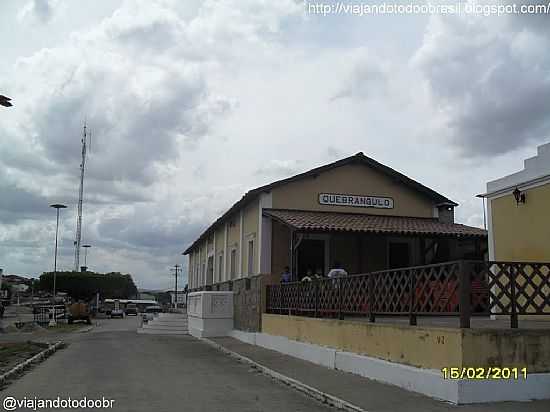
[[241, 233], [263, 244], [214, 258], [225, 253], [205, 263], [190, 270]]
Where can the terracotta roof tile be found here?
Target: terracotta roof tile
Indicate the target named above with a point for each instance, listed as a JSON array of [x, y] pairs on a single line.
[[358, 222]]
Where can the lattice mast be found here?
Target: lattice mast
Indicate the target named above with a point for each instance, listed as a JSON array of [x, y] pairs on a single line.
[[84, 141]]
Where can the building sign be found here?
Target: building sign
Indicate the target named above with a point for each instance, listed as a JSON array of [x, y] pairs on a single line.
[[339, 199]]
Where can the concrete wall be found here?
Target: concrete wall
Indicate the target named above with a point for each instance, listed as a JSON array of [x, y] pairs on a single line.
[[247, 302], [421, 347], [352, 179], [520, 348], [424, 347], [522, 232]]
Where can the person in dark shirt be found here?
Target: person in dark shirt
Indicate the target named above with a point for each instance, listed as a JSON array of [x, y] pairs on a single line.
[[285, 276]]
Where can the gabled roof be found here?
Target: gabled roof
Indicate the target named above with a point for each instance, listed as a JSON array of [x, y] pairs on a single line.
[[358, 158], [305, 220]]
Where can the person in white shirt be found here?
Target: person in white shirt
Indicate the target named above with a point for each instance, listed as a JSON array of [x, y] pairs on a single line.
[[337, 271]]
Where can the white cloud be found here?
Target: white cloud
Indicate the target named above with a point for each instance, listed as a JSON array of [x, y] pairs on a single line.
[[490, 77], [193, 103]]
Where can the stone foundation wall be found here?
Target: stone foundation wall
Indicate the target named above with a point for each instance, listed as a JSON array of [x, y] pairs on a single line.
[[248, 300]]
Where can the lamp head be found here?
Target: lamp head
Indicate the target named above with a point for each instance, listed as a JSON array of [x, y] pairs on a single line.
[[519, 196]]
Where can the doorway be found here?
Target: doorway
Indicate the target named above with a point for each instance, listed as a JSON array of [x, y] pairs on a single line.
[[311, 256], [399, 255]]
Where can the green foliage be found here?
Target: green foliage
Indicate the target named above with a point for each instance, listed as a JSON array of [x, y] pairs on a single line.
[[163, 298], [6, 287], [85, 285]]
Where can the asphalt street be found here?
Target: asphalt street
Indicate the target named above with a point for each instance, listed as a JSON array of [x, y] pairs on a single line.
[[153, 373]]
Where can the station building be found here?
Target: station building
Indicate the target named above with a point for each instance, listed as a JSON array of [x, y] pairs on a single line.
[[355, 211]]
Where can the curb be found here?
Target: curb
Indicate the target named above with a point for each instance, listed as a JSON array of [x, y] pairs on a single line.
[[320, 396], [86, 329], [23, 365]]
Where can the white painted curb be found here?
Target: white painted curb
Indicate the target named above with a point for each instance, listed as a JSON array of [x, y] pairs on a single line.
[[428, 382], [322, 397], [39, 356]]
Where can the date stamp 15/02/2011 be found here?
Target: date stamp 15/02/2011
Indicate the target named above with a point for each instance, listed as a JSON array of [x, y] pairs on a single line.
[[484, 373]]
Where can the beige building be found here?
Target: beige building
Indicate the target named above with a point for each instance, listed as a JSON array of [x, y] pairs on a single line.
[[355, 211], [518, 217], [518, 208]]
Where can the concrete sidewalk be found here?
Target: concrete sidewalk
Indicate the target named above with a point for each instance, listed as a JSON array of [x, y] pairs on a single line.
[[367, 394]]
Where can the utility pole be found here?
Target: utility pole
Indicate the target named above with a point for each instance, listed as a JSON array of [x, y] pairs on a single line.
[[176, 269], [56, 206]]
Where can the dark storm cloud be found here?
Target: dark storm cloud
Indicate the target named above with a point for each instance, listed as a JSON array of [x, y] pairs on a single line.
[[150, 234], [492, 82], [123, 149], [18, 204]]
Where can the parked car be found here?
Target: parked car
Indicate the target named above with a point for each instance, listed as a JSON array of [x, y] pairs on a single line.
[[150, 312], [131, 309], [117, 313]]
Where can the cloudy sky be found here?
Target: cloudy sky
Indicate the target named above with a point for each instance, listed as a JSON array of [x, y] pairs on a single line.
[[191, 103]]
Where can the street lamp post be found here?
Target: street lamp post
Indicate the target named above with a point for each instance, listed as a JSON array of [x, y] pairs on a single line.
[[86, 247], [56, 207]]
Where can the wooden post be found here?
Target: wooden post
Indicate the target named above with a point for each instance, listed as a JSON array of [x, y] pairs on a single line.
[[281, 304], [316, 296], [339, 285], [464, 276], [370, 294], [267, 308], [412, 284], [513, 303]]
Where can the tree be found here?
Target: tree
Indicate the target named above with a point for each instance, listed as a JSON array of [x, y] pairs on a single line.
[[85, 285], [6, 287], [164, 298]]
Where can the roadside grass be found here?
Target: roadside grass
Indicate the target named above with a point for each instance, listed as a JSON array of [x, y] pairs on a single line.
[[66, 328], [12, 353]]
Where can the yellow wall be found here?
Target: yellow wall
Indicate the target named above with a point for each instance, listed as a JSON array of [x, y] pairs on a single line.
[[425, 347], [352, 179], [421, 347], [522, 232], [525, 348]]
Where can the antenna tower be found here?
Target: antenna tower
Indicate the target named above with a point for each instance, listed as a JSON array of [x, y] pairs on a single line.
[[84, 140]]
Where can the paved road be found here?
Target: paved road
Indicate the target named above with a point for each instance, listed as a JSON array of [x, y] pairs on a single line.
[[154, 373]]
